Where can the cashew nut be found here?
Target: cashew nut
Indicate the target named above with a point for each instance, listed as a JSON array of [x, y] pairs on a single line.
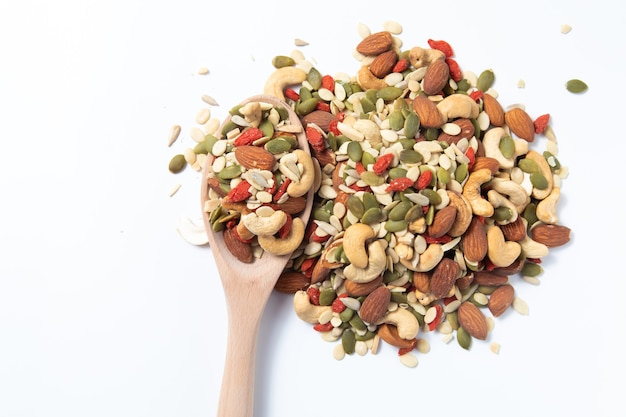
[[279, 247], [546, 208], [355, 238], [264, 225], [498, 200], [369, 81], [281, 78], [429, 258], [501, 252], [252, 113], [307, 177], [406, 323], [376, 264], [458, 106], [532, 248], [471, 191], [307, 312], [491, 143], [463, 213], [420, 57], [544, 169], [516, 192]]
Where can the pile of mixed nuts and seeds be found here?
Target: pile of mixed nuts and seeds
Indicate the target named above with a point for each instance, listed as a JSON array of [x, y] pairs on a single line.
[[429, 197]]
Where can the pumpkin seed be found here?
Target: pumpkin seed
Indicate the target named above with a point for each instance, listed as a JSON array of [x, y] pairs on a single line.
[[281, 61], [553, 162], [443, 175], [357, 323], [411, 125], [531, 269], [538, 181], [267, 128], [327, 296], [355, 151], [460, 173], [348, 341], [395, 225], [530, 214], [355, 205], [371, 179], [502, 214], [485, 80], [230, 172], [277, 146], [346, 315], [528, 165], [372, 216], [321, 215], [410, 156], [396, 120], [314, 78], [177, 163], [433, 196], [507, 146], [367, 159], [369, 201], [397, 172], [389, 93], [463, 338], [576, 86], [364, 337], [305, 107], [368, 105], [414, 213], [400, 210]]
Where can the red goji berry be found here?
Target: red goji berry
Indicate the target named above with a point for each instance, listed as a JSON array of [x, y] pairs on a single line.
[[315, 138], [322, 106], [433, 324], [401, 65], [328, 82], [399, 184], [310, 229], [358, 188], [541, 123], [314, 295], [405, 350], [448, 300], [476, 95], [359, 168], [248, 136], [240, 192], [332, 127], [338, 306], [308, 264], [382, 163], [282, 189], [455, 70], [239, 238], [471, 155], [284, 231], [319, 239], [442, 239], [292, 94], [424, 179], [442, 46], [326, 327], [273, 188], [341, 116]]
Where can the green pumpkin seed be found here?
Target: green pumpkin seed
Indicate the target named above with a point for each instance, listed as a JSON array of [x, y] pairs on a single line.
[[531, 269], [463, 338], [410, 156], [369, 201], [305, 107], [218, 226], [357, 323], [372, 216], [396, 120], [348, 341], [355, 151], [305, 93], [390, 276], [314, 77], [486, 289], [281, 61], [414, 213], [389, 93], [485, 80], [430, 215], [406, 143], [397, 172], [576, 86], [443, 175], [371, 179], [346, 315], [453, 319], [368, 105], [460, 173], [507, 146], [277, 146], [283, 113], [411, 125], [553, 162], [528, 165], [502, 214], [433, 197], [530, 214], [355, 205], [177, 164], [230, 172], [365, 337], [321, 215], [216, 214], [267, 128], [228, 126], [327, 296], [367, 159], [235, 109], [400, 210], [538, 181]]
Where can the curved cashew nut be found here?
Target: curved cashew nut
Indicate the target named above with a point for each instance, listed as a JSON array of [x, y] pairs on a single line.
[[376, 265], [516, 192], [429, 258], [501, 252], [264, 225], [420, 57], [491, 142], [546, 208], [458, 105], [285, 246], [463, 213], [281, 78], [533, 249], [498, 200], [304, 184], [355, 238], [406, 323], [306, 311], [252, 113], [544, 169], [369, 81], [471, 191]]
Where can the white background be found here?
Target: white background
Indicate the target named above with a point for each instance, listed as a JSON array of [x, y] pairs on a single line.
[[106, 311]]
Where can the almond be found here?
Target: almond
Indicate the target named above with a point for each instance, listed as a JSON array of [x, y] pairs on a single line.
[[421, 281], [325, 157], [501, 299], [375, 44], [442, 222], [389, 333], [472, 320], [293, 205], [436, 77], [475, 241], [494, 110], [355, 289], [512, 269], [241, 250], [443, 277], [215, 185], [467, 131], [251, 157], [520, 123], [491, 164], [383, 64], [374, 307], [320, 118], [515, 231], [290, 282], [427, 112], [490, 279], [320, 272], [464, 282], [551, 235]]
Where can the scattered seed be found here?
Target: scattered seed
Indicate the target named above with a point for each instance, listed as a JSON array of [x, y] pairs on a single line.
[[576, 86], [338, 352], [209, 100], [203, 71], [521, 83], [192, 232], [203, 116], [300, 42], [423, 346], [520, 306], [174, 189], [409, 360], [565, 28], [177, 163], [495, 347], [392, 27], [174, 134]]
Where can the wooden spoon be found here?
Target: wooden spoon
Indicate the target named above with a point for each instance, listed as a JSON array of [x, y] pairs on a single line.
[[247, 287]]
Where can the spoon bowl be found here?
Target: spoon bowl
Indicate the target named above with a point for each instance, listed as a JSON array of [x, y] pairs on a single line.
[[247, 288]]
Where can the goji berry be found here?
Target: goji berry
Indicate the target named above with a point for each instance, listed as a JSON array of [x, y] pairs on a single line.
[[401, 65], [358, 188], [326, 327], [292, 94], [332, 127], [476, 95], [471, 155], [442, 46], [319, 239], [433, 324], [399, 184], [341, 116], [338, 306], [248, 136], [308, 264], [541, 123], [323, 106], [314, 295], [424, 179], [282, 189], [315, 138], [359, 168], [240, 192], [310, 229], [284, 231], [239, 238], [328, 82], [273, 188], [405, 350], [443, 239], [382, 163], [455, 70]]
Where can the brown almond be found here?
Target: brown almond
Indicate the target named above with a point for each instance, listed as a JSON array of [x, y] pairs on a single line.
[[325, 157], [320, 272], [215, 185], [442, 221], [356, 289], [512, 269], [491, 164], [467, 131], [375, 44], [520, 123], [464, 281], [551, 235], [293, 205], [427, 111], [472, 320], [501, 299], [251, 157], [494, 110], [383, 64], [436, 77], [321, 118], [475, 241], [389, 333], [241, 250], [374, 307], [515, 231], [290, 282], [421, 281], [443, 277], [490, 279]]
